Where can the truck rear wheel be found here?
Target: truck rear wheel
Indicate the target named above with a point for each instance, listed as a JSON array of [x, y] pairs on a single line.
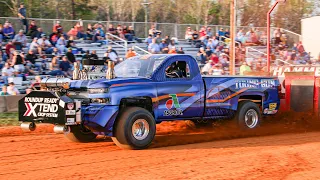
[[135, 129], [248, 115], [80, 134]]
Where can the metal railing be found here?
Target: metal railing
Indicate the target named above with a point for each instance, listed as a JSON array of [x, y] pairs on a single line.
[[137, 48], [125, 43]]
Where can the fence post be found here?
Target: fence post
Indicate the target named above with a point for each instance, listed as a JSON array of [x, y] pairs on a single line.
[[176, 30]]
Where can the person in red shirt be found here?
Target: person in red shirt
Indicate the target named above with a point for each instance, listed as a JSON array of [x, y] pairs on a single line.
[[214, 58], [202, 33], [57, 28], [9, 46]]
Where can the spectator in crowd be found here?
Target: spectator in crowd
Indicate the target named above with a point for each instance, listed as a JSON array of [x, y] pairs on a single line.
[[209, 32], [172, 51], [148, 40], [131, 35], [130, 53], [300, 48], [18, 62], [4, 91], [3, 57], [45, 44], [65, 66], [168, 40], [154, 48], [214, 58], [57, 28], [53, 38], [20, 40], [100, 30], [112, 30], [22, 13], [73, 32], [227, 33], [207, 67], [112, 54], [188, 34], [120, 32], [153, 31], [221, 32], [33, 29], [56, 52], [94, 55], [171, 45], [244, 68], [12, 89], [90, 31], [31, 58], [70, 56], [8, 31], [86, 56], [1, 37], [80, 31], [217, 70], [39, 33], [202, 33], [35, 47], [7, 71], [9, 48], [201, 56], [240, 36], [224, 60], [180, 51], [36, 84], [208, 51], [54, 67], [277, 36], [61, 44], [163, 44]]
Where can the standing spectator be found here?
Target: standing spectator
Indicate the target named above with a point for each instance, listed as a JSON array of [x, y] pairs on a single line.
[[22, 13], [65, 66], [33, 29], [45, 44], [61, 44], [54, 67], [7, 71], [130, 53], [8, 31], [112, 54], [18, 62], [70, 56], [188, 34], [12, 89], [4, 91], [93, 55], [57, 28], [20, 40]]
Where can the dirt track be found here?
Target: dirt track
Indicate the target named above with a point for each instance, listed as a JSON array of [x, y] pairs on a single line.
[[209, 154]]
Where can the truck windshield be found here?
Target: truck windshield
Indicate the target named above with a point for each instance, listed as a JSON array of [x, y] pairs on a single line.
[[140, 66]]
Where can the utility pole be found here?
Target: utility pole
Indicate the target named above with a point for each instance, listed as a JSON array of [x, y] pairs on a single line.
[[232, 36], [146, 4], [73, 10]]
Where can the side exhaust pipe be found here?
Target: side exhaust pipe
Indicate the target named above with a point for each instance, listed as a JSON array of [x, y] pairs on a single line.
[[60, 129], [28, 126]]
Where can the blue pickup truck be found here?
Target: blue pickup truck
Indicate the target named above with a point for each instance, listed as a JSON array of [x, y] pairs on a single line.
[[147, 90]]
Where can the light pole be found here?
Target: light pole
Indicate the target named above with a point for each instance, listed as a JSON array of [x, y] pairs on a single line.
[[146, 4], [269, 32], [233, 30]]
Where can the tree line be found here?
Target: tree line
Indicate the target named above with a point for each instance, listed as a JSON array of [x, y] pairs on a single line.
[[213, 12]]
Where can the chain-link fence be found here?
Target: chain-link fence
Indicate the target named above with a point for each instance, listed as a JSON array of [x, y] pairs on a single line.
[[142, 28]]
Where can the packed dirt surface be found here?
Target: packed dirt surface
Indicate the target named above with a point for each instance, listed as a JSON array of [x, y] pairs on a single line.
[[286, 149]]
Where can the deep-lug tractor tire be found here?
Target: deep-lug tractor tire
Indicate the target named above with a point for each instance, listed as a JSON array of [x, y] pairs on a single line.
[[248, 115], [80, 134], [134, 129]]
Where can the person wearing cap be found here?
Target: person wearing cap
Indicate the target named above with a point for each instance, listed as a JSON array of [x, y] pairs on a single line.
[[45, 44], [22, 13], [20, 40], [12, 89]]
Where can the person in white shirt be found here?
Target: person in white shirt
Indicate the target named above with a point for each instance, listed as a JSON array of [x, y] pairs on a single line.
[[7, 71], [12, 90], [34, 46], [216, 70], [45, 44], [206, 68]]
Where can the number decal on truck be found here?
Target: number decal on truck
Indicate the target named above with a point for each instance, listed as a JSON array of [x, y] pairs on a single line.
[[173, 103]]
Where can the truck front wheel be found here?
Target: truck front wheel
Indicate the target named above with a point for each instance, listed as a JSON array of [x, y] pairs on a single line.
[[248, 115], [80, 134], [134, 129]]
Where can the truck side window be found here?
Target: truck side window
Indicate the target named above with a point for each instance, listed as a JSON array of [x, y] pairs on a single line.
[[178, 69]]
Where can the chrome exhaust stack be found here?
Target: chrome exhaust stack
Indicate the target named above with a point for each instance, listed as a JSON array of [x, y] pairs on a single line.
[[28, 126], [61, 129]]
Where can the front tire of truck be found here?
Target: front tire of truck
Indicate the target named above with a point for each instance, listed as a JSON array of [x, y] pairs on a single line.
[[248, 115], [80, 134], [134, 129]]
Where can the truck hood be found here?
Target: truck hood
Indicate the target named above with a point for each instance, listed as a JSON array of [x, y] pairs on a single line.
[[103, 83]]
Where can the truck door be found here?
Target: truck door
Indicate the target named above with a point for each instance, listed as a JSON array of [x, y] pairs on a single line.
[[179, 90]]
